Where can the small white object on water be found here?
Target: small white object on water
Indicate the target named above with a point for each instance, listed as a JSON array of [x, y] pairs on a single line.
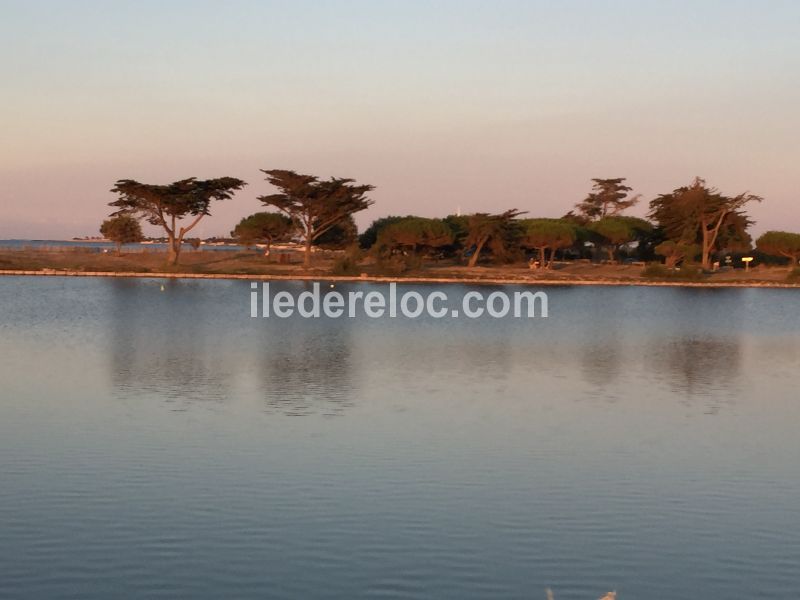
[[162, 287]]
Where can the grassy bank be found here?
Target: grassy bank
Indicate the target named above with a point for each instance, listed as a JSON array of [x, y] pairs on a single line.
[[221, 264]]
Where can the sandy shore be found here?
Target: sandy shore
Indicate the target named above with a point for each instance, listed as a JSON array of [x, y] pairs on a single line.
[[411, 279]]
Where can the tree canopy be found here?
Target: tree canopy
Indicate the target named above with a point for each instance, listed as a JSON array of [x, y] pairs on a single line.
[[698, 213], [263, 227], [544, 234], [781, 243], [315, 205], [122, 229], [497, 232], [166, 205], [415, 233], [608, 198], [614, 232]]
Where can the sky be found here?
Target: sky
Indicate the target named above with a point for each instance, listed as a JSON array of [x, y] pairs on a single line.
[[448, 105]]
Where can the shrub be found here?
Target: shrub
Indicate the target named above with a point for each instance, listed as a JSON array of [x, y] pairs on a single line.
[[685, 273]]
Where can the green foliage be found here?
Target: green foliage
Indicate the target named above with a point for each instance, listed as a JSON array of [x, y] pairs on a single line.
[[614, 232], [122, 229], [166, 205], [608, 198], [315, 205], [676, 252], [263, 228], [543, 234], [699, 213], [397, 264], [499, 233], [413, 233], [370, 235], [342, 235], [781, 243], [349, 263]]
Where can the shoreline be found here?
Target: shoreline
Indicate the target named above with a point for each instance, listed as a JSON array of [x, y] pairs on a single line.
[[412, 279]]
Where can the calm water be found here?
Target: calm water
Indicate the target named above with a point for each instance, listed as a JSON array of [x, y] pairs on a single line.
[[161, 444]]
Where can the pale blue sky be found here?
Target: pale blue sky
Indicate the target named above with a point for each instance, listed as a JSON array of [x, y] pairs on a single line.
[[482, 105]]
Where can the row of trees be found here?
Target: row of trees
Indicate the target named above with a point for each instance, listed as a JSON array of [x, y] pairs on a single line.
[[692, 222]]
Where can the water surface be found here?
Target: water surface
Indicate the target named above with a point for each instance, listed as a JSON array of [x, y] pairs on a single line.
[[159, 443]]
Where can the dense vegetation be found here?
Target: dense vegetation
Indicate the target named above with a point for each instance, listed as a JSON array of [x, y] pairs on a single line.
[[691, 225]]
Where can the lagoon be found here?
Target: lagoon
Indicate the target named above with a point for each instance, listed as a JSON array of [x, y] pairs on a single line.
[[155, 441]]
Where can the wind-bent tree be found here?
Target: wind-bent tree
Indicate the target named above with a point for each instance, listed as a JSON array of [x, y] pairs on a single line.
[[122, 229], [495, 232], [618, 231], [698, 213], [781, 243], [315, 205], [263, 228], [544, 234], [166, 205], [414, 234], [608, 198], [676, 252]]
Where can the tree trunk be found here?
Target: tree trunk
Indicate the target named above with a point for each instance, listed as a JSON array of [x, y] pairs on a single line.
[[119, 248], [307, 257], [706, 258], [474, 258], [610, 251], [174, 249], [542, 256], [552, 257]]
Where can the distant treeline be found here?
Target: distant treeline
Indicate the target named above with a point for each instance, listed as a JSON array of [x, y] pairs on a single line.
[[693, 223]]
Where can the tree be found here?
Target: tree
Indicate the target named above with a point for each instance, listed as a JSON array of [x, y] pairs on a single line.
[[676, 252], [544, 234], [264, 228], [415, 233], [781, 243], [342, 235], [122, 229], [618, 231], [496, 232], [609, 198], [370, 235], [698, 213], [166, 205], [315, 205]]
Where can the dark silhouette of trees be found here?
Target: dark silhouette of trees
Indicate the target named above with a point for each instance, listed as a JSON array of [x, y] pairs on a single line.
[[315, 205], [342, 235], [122, 229], [497, 232], [781, 243], [676, 252], [166, 205], [698, 213], [370, 235], [608, 198]]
